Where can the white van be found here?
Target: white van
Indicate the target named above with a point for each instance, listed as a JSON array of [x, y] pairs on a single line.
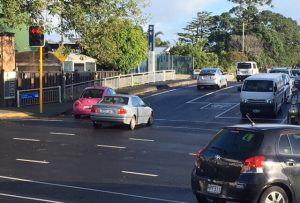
[[246, 69], [262, 93]]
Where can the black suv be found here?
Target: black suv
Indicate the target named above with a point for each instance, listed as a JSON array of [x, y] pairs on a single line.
[[249, 163]]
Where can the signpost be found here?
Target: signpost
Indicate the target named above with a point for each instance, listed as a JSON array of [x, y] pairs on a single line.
[[10, 85]]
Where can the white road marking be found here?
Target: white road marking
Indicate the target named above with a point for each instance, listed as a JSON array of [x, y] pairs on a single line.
[[25, 139], [145, 140], [28, 198], [227, 110], [90, 189], [176, 127], [284, 120], [192, 121], [141, 174], [192, 154], [109, 146], [33, 161], [38, 119], [262, 119], [210, 94], [54, 133], [164, 92], [205, 106]]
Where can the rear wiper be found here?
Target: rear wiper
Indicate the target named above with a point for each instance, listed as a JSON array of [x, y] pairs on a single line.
[[223, 151]]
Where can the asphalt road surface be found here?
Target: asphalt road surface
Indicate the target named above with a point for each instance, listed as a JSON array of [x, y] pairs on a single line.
[[64, 159]]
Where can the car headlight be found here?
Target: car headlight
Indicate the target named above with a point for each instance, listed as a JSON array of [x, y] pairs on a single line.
[[293, 110], [269, 101], [244, 100]]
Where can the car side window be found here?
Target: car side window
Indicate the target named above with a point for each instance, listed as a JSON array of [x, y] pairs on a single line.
[[141, 103], [284, 145], [295, 142], [135, 101]]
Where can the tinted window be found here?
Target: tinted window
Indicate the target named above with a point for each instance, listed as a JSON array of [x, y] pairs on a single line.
[[114, 100], [296, 72], [207, 71], [295, 142], [92, 93], [279, 71], [284, 145], [258, 86], [244, 65], [236, 143]]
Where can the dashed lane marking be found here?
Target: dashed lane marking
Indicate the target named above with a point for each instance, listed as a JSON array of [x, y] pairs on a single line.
[[141, 174], [28, 198], [54, 133], [33, 161], [25, 139], [110, 146], [144, 140]]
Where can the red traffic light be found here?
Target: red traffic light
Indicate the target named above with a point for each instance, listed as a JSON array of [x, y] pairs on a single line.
[[36, 36], [35, 30]]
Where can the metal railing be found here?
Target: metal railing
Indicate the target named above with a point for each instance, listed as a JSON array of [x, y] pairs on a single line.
[[31, 97]]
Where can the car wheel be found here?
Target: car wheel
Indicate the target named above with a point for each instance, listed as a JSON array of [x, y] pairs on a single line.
[[97, 125], [132, 123], [198, 87], [225, 83], [150, 120], [76, 116], [201, 199], [237, 80], [274, 194]]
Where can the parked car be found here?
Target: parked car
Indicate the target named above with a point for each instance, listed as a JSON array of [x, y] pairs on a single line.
[[249, 163], [89, 97], [211, 77], [282, 70], [123, 109]]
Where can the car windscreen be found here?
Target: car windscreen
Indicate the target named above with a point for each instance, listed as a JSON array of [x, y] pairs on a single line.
[[258, 86], [92, 93], [296, 72], [244, 65], [207, 72], [279, 71], [115, 100], [235, 143]]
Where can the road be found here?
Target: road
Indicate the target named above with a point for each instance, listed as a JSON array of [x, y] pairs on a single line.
[[64, 159]]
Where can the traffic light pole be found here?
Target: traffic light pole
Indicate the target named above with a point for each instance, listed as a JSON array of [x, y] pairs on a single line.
[[41, 79]]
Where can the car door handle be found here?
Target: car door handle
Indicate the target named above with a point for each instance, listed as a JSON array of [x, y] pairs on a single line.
[[290, 162]]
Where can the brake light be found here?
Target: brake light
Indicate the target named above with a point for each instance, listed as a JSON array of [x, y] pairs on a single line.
[[254, 165], [94, 110], [77, 103], [198, 158], [122, 111]]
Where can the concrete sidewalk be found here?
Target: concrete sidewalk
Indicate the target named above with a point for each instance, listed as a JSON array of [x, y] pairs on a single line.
[[55, 109]]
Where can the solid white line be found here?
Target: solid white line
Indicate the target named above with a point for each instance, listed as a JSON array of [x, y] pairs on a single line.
[[205, 106], [53, 133], [33, 161], [37, 119], [262, 119], [141, 174], [29, 198], [90, 189], [25, 139], [227, 110], [192, 121], [210, 94], [160, 126], [145, 140], [109, 146], [164, 92]]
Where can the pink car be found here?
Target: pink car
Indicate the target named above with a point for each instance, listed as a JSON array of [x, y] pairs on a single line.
[[89, 97]]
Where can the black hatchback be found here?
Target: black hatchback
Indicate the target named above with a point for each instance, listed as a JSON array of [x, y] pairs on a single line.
[[245, 163]]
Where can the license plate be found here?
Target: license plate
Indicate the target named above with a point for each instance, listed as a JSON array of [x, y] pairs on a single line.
[[87, 107], [215, 189], [108, 111], [255, 110]]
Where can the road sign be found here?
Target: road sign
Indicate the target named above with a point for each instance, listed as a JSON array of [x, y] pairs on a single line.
[[60, 53]]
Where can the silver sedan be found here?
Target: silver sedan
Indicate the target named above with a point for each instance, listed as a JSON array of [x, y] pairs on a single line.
[[123, 109], [211, 77]]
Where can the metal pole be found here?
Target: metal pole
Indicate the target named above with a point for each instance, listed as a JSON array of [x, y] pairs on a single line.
[[243, 43], [41, 79]]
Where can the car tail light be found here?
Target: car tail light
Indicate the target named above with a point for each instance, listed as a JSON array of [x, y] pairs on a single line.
[[77, 103], [94, 110], [122, 111], [254, 165], [198, 158]]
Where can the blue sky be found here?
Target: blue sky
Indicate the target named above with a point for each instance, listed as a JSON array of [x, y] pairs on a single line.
[[170, 16]]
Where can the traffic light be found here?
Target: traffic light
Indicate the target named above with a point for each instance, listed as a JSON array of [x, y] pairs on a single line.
[[36, 36]]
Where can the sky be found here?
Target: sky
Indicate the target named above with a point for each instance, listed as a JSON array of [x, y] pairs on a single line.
[[171, 16]]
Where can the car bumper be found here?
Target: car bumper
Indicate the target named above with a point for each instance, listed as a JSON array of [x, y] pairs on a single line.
[[256, 108], [242, 191], [110, 119], [207, 83]]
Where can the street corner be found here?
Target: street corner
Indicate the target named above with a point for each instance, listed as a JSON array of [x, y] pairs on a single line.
[[13, 114]]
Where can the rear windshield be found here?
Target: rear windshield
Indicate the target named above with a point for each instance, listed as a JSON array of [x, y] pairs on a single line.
[[258, 86], [92, 93], [115, 100], [207, 72], [279, 71], [236, 143], [244, 65]]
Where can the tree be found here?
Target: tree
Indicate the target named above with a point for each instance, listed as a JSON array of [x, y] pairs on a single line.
[[159, 42]]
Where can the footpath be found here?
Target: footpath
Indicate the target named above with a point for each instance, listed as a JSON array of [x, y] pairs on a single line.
[[56, 109]]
